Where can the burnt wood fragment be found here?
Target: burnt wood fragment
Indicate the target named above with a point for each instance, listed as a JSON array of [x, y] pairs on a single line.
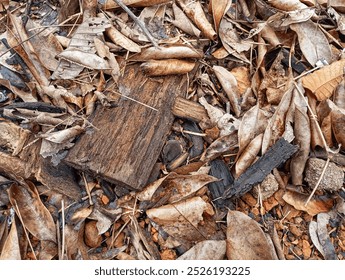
[[280, 152]]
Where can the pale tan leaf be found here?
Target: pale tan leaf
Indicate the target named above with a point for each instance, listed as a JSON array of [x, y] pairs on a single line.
[[18, 39], [276, 126], [245, 239], [248, 127], [119, 39], [339, 95], [194, 11], [13, 137], [11, 249], [167, 67], [183, 220], [110, 4], [288, 5], [220, 146], [315, 206], [231, 39], [206, 250], [171, 51], [313, 42], [35, 216], [64, 135], [248, 155], [149, 190], [302, 139], [229, 84], [84, 59], [219, 8], [182, 21], [338, 126]]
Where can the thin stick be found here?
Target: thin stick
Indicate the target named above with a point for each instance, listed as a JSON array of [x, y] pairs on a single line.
[[194, 133], [134, 100], [63, 230], [26, 233], [137, 21], [87, 189], [314, 118], [318, 182]]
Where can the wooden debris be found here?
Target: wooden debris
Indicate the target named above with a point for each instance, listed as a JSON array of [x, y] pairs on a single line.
[[129, 137], [276, 155]]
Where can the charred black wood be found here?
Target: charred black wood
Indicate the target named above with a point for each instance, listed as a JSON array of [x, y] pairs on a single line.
[[280, 152]]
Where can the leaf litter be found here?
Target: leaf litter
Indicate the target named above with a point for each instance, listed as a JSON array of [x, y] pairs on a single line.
[[255, 80]]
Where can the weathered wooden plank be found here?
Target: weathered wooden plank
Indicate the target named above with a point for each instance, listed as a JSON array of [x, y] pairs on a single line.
[[130, 136]]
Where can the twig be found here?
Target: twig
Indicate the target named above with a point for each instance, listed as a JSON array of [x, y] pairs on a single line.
[[26, 233], [63, 230], [314, 118], [137, 21], [87, 189], [134, 100]]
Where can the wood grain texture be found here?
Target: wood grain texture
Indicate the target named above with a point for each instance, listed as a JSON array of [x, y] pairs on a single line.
[[130, 136]]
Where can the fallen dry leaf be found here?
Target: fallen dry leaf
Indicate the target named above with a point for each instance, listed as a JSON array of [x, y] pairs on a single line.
[[206, 250], [35, 216], [245, 239], [322, 82], [315, 206]]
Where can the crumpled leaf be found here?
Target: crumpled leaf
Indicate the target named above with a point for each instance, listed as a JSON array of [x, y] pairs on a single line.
[[182, 220], [315, 206], [246, 240], [36, 217], [225, 122], [313, 42]]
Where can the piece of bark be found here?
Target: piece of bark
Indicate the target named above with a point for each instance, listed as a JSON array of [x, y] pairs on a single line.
[[189, 110], [281, 151], [129, 137], [222, 172], [28, 164]]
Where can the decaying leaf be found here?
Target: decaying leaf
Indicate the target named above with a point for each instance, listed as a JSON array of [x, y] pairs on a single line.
[[302, 139], [246, 240], [181, 220], [229, 84], [173, 51], [220, 146], [206, 250], [35, 216], [325, 241], [315, 206], [11, 249], [118, 38], [182, 21], [167, 67], [276, 125], [322, 82], [313, 42], [338, 121], [194, 11], [248, 155], [288, 5]]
